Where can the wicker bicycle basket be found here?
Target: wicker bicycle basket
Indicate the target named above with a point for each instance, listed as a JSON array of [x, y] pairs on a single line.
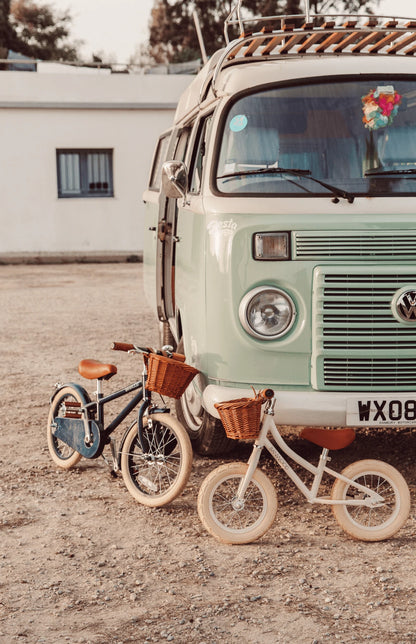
[[168, 376], [241, 417]]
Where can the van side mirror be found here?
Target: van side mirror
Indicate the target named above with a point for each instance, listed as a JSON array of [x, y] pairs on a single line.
[[175, 179]]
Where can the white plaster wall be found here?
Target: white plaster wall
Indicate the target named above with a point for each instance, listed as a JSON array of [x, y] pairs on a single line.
[[32, 218]]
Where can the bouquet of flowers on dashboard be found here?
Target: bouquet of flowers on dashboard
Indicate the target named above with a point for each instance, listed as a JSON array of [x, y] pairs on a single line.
[[380, 106]]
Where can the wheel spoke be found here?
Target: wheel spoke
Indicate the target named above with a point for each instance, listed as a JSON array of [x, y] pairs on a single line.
[[155, 471], [376, 516], [227, 514]]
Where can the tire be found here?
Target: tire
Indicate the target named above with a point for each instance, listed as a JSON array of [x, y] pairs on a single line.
[[372, 524], [207, 434], [217, 513], [158, 478], [166, 335], [62, 455]]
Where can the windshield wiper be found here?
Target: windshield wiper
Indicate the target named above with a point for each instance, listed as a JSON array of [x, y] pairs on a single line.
[[297, 172], [379, 172]]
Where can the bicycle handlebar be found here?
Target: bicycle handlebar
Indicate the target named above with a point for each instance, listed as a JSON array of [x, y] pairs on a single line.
[[122, 346], [125, 346]]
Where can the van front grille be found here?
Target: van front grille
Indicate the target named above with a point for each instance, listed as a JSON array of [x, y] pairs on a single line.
[[367, 374], [358, 343], [369, 246]]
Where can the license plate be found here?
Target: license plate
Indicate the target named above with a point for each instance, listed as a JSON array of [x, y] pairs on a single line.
[[366, 411]]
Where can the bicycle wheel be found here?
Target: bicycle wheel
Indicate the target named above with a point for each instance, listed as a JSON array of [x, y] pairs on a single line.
[[230, 521], [376, 523], [158, 476], [63, 455]]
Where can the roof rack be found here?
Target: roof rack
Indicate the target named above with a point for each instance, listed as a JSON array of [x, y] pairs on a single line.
[[245, 24], [319, 34]]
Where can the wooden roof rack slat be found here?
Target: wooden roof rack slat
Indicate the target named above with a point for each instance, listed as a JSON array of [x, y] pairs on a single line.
[[335, 37], [276, 40], [403, 42], [293, 40], [410, 51], [242, 44], [365, 41], [315, 37], [357, 34], [255, 44], [373, 36], [348, 40], [383, 42]]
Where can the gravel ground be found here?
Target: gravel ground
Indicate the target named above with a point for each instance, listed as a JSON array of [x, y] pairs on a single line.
[[81, 561]]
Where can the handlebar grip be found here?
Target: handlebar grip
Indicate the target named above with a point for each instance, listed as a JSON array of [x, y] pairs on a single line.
[[125, 346], [122, 346], [175, 356]]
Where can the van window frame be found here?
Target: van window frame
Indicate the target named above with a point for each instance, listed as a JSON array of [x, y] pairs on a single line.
[[155, 178], [202, 135], [183, 134], [286, 84]]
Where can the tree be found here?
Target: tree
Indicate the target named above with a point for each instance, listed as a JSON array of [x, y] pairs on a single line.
[[341, 6], [173, 35], [35, 30], [7, 34]]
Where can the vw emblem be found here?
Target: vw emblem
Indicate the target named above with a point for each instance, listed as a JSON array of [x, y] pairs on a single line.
[[405, 305]]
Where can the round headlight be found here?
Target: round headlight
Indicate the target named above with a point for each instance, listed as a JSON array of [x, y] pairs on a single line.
[[267, 312]]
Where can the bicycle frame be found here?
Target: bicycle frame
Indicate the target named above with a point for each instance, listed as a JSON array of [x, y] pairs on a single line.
[[371, 498], [98, 405], [95, 435]]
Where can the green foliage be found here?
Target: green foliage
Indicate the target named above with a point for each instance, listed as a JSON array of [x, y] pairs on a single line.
[[35, 30], [173, 35], [7, 35]]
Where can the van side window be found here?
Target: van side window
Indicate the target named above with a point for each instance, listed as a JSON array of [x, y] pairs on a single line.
[[199, 156], [182, 144], [159, 158]]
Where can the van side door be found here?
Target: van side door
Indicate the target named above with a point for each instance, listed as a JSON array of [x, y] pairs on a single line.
[[166, 235]]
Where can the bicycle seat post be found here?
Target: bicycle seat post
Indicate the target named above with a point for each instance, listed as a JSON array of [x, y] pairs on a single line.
[[99, 392], [99, 395], [323, 459]]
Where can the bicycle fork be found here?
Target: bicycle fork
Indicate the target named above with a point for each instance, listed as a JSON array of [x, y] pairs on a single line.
[[253, 461], [238, 501]]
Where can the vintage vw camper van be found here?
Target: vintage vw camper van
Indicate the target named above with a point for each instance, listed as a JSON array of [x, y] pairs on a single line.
[[280, 230]]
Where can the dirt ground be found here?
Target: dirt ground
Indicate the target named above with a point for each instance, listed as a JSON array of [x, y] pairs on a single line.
[[81, 561]]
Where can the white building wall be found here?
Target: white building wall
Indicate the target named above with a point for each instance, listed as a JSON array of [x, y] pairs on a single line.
[[42, 113]]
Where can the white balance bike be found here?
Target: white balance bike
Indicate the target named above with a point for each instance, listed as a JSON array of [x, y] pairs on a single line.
[[237, 502]]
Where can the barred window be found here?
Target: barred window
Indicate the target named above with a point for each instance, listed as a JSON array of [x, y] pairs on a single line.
[[85, 173]]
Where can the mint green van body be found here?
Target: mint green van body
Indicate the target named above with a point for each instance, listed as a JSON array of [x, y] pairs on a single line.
[[289, 261]]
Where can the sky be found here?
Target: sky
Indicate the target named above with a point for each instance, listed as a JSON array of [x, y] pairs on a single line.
[[117, 27]]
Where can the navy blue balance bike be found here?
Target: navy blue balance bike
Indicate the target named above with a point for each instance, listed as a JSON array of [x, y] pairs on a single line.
[[154, 454]]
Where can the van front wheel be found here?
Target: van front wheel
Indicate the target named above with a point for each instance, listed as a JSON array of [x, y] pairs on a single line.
[[207, 434]]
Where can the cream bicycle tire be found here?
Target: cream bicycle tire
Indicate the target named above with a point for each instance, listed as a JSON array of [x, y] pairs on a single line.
[[372, 524], [62, 455], [221, 519], [157, 482]]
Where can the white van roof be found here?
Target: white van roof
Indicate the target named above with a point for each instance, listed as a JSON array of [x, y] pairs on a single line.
[[361, 44]]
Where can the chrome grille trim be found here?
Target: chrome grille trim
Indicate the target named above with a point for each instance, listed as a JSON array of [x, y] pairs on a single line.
[[352, 246], [357, 343]]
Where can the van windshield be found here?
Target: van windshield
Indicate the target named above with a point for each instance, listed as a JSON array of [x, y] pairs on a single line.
[[351, 137]]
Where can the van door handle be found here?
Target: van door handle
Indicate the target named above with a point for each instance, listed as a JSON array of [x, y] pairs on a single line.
[[176, 239], [152, 228]]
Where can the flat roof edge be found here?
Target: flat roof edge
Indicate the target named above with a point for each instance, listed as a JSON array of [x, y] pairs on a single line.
[[57, 105]]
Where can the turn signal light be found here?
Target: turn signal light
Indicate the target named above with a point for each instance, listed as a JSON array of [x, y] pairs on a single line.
[[271, 246]]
